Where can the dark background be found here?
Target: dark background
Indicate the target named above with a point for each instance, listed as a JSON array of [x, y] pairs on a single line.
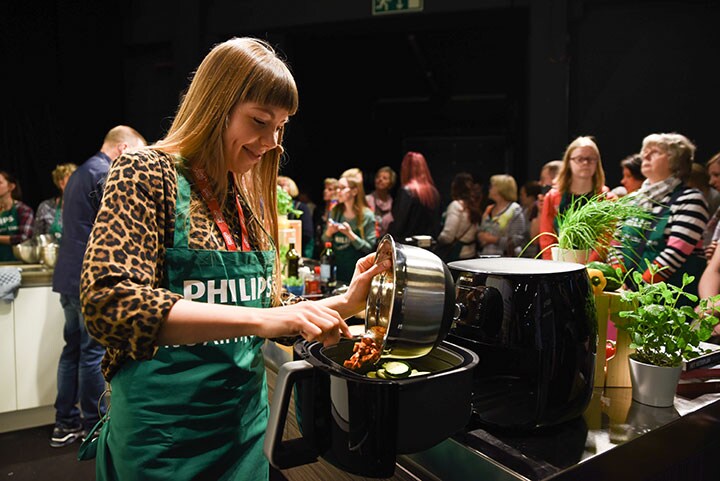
[[477, 85]]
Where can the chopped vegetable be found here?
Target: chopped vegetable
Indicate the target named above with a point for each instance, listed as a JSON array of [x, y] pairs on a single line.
[[397, 369]]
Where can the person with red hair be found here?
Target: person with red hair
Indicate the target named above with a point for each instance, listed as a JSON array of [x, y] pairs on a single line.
[[416, 209]]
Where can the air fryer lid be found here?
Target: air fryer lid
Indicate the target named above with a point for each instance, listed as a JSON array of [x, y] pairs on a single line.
[[514, 266]]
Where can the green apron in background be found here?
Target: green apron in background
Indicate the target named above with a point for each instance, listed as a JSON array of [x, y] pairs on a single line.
[[56, 227], [640, 248], [9, 225], [194, 411]]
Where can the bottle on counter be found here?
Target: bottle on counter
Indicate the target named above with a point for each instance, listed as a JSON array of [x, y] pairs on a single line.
[[312, 282], [327, 268], [292, 260]]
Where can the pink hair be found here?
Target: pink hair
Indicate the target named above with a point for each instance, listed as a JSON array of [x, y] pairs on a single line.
[[415, 175]]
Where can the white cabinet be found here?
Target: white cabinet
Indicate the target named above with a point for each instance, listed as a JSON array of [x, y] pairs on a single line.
[[8, 393], [39, 322], [31, 340]]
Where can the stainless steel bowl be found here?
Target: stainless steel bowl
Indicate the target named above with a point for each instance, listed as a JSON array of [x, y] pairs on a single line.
[[413, 301], [48, 254], [27, 252]]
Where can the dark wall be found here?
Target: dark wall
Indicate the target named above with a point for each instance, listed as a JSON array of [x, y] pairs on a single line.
[[486, 86]]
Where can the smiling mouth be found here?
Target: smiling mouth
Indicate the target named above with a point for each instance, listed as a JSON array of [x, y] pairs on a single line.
[[252, 153]]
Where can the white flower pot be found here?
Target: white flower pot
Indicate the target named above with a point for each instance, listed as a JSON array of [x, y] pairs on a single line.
[[581, 256], [653, 385]]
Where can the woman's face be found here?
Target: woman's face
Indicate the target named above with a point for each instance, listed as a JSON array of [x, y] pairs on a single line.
[[583, 162], [525, 200], [252, 129], [630, 183], [655, 164], [6, 187], [329, 192], [714, 173], [345, 192], [63, 182], [493, 193], [382, 181]]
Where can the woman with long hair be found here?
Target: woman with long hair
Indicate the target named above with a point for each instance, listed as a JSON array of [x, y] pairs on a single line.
[[181, 271], [416, 208], [581, 177], [503, 230], [350, 228], [48, 219], [461, 218]]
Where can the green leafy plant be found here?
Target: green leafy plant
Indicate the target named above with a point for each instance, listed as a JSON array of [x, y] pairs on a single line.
[[293, 281], [661, 332], [285, 203], [592, 223]]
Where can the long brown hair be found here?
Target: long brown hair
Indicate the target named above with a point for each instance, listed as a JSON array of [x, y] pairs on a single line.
[[359, 204], [564, 179], [238, 70], [415, 175]]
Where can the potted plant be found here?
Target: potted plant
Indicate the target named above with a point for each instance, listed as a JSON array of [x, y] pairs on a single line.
[[588, 225], [663, 335]]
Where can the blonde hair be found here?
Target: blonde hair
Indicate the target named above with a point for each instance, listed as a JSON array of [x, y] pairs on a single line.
[[564, 178], [353, 173], [681, 152], [359, 204], [236, 71], [61, 171], [291, 185], [505, 185]]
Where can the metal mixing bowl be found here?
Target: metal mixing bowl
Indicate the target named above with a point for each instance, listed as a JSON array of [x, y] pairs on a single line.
[[48, 254], [27, 252]]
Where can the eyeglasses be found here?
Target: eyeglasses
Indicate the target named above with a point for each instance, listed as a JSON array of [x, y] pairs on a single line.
[[584, 160]]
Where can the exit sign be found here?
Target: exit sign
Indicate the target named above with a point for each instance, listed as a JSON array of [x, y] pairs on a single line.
[[381, 7]]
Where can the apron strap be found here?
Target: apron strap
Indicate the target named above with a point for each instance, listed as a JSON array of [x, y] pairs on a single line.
[[182, 212]]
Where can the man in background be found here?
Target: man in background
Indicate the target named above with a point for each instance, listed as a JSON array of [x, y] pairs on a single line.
[[79, 377]]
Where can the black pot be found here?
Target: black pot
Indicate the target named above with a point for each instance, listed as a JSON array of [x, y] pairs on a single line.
[[360, 424], [533, 324]]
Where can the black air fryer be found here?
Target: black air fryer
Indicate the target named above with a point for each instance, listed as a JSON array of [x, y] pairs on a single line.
[[533, 325]]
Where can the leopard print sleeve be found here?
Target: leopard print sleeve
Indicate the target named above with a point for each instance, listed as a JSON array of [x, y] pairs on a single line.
[[123, 269]]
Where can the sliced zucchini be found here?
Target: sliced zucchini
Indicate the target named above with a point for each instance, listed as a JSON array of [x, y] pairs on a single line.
[[372, 374], [397, 369], [382, 374], [415, 372]]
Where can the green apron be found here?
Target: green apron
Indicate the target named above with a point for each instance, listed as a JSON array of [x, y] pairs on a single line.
[[641, 244], [56, 227], [194, 411], [9, 225]]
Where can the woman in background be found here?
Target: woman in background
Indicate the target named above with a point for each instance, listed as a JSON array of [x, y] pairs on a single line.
[[350, 228], [48, 219], [321, 214], [416, 208], [632, 176], [291, 188], [581, 177], [672, 240], [502, 230], [16, 218], [461, 218], [380, 201]]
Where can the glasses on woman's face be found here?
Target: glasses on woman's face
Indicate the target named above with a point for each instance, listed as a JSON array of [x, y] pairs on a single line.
[[584, 160]]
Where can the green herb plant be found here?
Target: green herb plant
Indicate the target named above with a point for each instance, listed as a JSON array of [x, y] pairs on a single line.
[[293, 281], [662, 333], [592, 224], [285, 203]]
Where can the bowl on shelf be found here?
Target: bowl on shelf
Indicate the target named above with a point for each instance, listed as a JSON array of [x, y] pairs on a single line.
[[27, 251], [48, 254]]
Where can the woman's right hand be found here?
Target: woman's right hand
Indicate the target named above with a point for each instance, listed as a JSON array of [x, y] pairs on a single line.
[[309, 319]]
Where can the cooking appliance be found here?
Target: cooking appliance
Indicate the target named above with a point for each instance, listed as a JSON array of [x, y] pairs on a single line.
[[534, 326]]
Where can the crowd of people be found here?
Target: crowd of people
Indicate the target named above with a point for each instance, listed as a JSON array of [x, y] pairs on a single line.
[[143, 230]]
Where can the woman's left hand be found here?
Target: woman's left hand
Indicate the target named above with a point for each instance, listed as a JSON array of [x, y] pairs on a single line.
[[365, 270]]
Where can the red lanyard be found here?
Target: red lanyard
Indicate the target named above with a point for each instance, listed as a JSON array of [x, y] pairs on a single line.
[[203, 184]]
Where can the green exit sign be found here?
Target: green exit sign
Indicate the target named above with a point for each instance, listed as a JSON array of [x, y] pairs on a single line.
[[381, 7]]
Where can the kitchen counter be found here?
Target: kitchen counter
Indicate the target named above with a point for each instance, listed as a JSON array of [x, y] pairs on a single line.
[[32, 275], [616, 439]]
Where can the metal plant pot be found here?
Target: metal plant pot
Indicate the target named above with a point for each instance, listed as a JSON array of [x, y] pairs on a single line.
[[653, 385]]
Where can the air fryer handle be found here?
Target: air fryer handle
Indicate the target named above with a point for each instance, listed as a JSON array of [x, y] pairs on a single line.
[[293, 452]]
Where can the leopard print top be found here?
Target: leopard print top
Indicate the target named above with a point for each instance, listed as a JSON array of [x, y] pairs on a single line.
[[124, 266]]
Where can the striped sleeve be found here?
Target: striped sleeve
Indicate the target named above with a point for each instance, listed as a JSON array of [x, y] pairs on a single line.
[[684, 230]]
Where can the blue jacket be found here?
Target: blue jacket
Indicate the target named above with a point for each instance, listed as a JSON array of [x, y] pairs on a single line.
[[81, 202]]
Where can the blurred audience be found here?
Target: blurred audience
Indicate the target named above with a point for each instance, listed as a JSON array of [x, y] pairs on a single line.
[[529, 193], [321, 214], [632, 176]]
